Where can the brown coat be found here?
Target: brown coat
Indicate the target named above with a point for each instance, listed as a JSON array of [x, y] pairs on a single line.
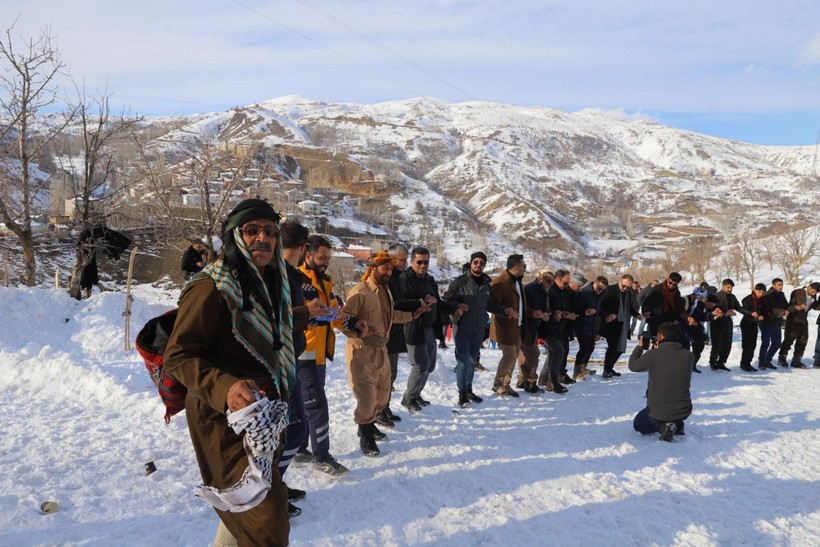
[[503, 293], [203, 354], [368, 368]]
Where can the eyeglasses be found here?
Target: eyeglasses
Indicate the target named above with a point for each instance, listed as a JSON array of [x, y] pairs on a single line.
[[253, 230], [478, 262], [422, 262]]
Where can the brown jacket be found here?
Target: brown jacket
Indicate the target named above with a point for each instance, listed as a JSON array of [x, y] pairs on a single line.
[[503, 293], [364, 301]]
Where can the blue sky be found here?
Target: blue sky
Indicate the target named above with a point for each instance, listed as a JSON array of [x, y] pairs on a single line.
[[742, 69]]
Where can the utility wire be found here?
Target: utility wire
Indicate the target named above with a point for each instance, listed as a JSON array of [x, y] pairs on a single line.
[[349, 59], [386, 49]]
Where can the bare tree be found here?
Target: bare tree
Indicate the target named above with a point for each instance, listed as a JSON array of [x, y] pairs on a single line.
[[747, 254], [791, 249], [30, 81], [95, 169], [698, 257]]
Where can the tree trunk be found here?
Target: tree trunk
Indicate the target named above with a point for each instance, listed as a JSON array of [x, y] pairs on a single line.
[[29, 260]]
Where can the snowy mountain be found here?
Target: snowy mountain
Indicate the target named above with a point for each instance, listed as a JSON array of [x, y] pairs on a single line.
[[533, 174]]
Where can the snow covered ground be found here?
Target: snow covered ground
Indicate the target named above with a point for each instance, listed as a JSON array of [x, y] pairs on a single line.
[[80, 420]]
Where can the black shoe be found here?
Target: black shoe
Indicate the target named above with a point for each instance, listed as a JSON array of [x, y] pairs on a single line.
[[422, 402], [294, 494], [667, 431], [521, 385], [442, 345], [473, 397], [558, 388], [384, 420], [463, 399], [366, 441], [748, 368], [721, 367], [782, 362], [377, 435], [798, 364], [565, 379], [412, 406], [695, 369], [293, 511], [389, 413], [607, 375], [615, 373], [533, 389], [765, 364]]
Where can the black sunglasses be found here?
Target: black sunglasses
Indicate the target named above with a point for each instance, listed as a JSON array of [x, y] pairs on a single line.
[[253, 230], [422, 262]]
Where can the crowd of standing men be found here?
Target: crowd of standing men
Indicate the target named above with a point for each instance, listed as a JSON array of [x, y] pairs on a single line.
[[255, 332]]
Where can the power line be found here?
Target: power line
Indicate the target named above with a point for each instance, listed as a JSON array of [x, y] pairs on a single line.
[[351, 60], [386, 49]]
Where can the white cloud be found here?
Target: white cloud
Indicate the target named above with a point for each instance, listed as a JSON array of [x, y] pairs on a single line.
[[811, 53]]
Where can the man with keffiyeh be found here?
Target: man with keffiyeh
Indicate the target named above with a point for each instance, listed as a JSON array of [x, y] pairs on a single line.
[[232, 343]]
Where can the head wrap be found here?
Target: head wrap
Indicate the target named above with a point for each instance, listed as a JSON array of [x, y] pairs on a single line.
[[379, 259], [249, 209]]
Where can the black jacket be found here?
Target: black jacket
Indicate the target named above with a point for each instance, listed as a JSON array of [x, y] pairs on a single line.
[[670, 374], [466, 289], [411, 286], [396, 343], [189, 259], [610, 302], [587, 325]]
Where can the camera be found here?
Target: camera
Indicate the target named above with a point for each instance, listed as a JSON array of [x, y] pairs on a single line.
[[646, 339]]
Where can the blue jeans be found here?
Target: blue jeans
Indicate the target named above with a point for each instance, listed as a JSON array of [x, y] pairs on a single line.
[[770, 339], [312, 380], [467, 348], [643, 423]]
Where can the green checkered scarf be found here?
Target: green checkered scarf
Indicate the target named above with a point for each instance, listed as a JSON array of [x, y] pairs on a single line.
[[254, 329]]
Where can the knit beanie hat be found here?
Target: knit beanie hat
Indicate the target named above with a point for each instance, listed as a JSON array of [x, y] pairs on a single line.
[[478, 254]]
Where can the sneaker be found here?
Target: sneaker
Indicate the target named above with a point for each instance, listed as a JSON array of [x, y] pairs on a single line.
[[422, 402], [479, 367], [506, 390], [303, 458], [565, 379], [384, 420], [474, 398], [331, 467], [293, 511], [294, 494], [667, 431], [412, 406]]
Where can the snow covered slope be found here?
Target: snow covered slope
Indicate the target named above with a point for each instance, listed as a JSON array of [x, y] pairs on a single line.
[[80, 420]]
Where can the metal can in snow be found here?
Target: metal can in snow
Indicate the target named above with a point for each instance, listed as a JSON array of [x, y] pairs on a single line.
[[150, 468], [48, 507]]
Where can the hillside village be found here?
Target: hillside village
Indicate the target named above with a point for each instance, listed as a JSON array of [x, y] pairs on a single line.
[[570, 189]]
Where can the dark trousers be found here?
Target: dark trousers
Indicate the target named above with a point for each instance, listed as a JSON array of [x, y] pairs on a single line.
[[297, 432], [552, 366], [797, 334], [564, 338], [721, 341], [771, 337], [643, 423], [748, 332], [697, 337], [613, 339], [312, 378], [586, 345], [394, 371]]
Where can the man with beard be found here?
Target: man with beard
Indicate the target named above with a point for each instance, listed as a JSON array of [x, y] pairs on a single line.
[[616, 311], [537, 299], [312, 364], [664, 303], [469, 293], [396, 344], [756, 303], [723, 326], [771, 328], [556, 326], [368, 367], [587, 307], [232, 347], [801, 300], [508, 294], [416, 283], [193, 259]]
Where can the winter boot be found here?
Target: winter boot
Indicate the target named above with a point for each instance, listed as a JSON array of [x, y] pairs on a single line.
[[367, 442], [579, 372], [558, 388], [782, 361], [589, 371], [377, 434], [667, 431], [463, 399], [797, 363], [472, 396], [383, 419]]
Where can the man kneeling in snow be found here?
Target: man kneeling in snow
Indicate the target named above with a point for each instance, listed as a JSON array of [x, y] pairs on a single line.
[[670, 371]]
